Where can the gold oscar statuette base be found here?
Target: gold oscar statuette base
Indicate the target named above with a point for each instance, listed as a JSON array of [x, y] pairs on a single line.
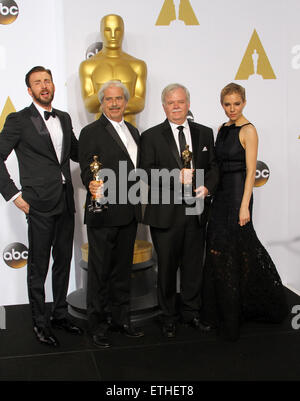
[[143, 284]]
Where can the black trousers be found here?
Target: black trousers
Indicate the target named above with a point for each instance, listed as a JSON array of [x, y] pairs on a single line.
[[109, 271], [46, 232], [180, 246]]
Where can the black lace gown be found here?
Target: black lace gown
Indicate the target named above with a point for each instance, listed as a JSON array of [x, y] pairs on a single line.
[[240, 280]]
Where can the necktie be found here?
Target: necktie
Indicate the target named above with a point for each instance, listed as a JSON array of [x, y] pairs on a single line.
[[47, 114], [182, 140], [123, 133]]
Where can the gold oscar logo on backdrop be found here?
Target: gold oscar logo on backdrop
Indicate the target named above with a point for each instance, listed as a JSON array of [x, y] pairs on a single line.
[[177, 9], [9, 11], [15, 255], [262, 174], [255, 64], [7, 109]]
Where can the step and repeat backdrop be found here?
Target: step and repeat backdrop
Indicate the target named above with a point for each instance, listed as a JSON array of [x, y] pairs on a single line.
[[203, 45]]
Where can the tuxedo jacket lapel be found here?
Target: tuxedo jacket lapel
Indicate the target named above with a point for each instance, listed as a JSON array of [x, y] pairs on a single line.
[[41, 129], [135, 135], [169, 137], [195, 142], [109, 127], [38, 122]]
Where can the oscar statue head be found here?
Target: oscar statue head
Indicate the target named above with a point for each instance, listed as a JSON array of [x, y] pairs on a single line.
[[112, 31]]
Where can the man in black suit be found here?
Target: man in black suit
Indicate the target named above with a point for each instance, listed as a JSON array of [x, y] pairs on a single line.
[[177, 230], [112, 232], [44, 142]]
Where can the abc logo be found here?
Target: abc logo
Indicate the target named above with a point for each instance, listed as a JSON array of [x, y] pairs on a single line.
[[93, 49], [15, 255], [9, 11], [262, 174]]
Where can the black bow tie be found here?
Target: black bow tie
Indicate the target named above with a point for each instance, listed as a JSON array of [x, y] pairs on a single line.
[[47, 114]]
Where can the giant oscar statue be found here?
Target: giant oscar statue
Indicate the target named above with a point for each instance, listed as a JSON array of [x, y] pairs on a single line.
[[112, 63]]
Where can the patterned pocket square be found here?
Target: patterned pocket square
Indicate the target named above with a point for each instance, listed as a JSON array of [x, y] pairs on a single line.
[[204, 149]]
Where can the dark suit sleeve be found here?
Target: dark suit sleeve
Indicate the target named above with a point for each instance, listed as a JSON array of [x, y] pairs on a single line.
[[85, 156], [148, 158], [9, 139], [211, 176], [74, 142], [147, 151], [154, 157]]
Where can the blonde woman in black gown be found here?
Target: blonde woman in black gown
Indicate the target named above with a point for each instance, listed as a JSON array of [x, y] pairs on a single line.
[[240, 280]]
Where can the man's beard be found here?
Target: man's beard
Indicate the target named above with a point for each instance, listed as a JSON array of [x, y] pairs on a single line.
[[42, 101]]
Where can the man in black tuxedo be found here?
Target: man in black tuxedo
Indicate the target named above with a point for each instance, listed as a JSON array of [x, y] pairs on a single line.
[[112, 232], [44, 142], [177, 230]]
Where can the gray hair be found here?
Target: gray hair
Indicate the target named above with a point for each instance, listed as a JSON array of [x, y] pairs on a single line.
[[172, 87], [116, 83]]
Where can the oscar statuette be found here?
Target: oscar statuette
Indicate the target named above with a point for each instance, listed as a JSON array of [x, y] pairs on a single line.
[[188, 189], [97, 204]]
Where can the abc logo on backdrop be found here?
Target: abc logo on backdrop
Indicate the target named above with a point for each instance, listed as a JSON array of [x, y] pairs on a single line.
[[262, 174], [93, 49], [15, 255], [9, 11]]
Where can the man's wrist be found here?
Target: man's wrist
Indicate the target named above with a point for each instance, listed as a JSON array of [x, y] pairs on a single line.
[[14, 197]]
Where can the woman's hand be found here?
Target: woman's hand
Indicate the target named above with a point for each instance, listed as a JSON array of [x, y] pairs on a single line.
[[244, 216]]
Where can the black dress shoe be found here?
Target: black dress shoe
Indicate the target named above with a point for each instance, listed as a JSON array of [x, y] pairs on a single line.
[[101, 340], [45, 336], [169, 330], [198, 325], [128, 330], [66, 325]]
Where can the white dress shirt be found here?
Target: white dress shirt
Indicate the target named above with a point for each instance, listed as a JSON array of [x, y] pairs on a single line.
[[126, 138]]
